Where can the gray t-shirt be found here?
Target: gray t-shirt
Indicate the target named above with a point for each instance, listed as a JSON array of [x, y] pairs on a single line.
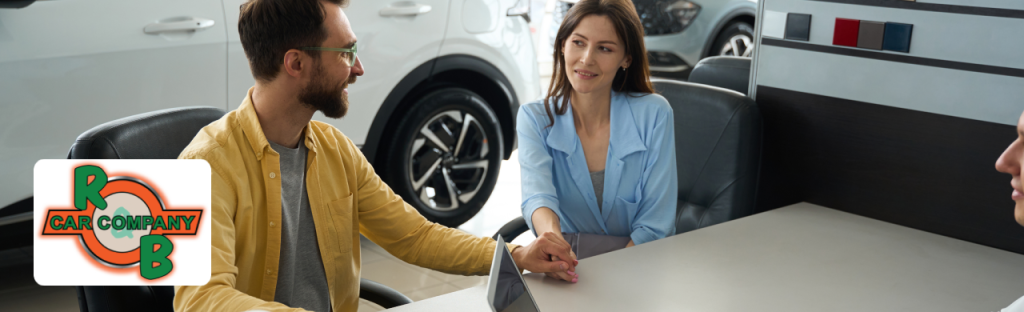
[[301, 281], [598, 179]]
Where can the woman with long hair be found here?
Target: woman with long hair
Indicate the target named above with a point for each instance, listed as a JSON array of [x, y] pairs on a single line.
[[597, 153]]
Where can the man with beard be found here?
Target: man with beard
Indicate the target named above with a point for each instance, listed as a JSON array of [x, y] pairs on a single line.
[[290, 195]]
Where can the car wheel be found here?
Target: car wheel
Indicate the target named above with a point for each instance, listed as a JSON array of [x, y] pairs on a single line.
[[445, 155], [737, 39]]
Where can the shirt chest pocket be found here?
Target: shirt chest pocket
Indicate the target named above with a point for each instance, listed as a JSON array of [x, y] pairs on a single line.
[[339, 229], [630, 187]]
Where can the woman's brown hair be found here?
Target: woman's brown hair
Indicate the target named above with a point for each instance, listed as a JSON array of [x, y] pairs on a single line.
[[622, 13]]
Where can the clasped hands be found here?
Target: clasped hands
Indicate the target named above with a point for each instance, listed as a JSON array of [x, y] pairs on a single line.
[[549, 254]]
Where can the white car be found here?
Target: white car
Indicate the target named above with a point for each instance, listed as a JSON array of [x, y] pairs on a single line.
[[434, 112]]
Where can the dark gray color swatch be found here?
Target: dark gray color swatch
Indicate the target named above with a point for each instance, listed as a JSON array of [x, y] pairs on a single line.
[[798, 26], [870, 35]]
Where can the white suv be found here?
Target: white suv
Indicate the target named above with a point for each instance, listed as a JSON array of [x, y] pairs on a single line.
[[434, 112]]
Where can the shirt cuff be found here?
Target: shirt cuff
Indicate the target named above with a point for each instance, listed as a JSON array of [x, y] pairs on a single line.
[[642, 235]]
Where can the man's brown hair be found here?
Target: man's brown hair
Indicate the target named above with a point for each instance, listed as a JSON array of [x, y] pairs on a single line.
[[269, 28]]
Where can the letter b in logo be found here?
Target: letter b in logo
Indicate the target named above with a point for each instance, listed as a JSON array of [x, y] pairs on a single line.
[[154, 263]]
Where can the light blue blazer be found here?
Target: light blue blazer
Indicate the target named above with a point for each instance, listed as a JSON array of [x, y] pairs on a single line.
[[640, 184]]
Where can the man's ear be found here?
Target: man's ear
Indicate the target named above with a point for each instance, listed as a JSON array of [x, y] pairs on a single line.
[[294, 63]]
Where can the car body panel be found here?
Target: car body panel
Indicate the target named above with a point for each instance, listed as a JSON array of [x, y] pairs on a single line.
[[67, 67], [96, 72], [508, 47], [694, 42]]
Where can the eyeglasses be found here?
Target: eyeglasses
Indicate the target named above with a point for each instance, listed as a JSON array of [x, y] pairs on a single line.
[[347, 55]]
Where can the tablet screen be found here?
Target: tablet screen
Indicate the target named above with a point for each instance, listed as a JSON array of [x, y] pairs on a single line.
[[510, 293]]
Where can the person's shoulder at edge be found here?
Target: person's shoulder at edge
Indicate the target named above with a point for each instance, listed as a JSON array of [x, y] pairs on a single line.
[[331, 135], [535, 107], [643, 102], [212, 138], [648, 109]]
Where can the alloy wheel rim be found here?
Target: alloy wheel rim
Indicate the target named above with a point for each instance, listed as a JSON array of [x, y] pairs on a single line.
[[448, 160], [738, 45]]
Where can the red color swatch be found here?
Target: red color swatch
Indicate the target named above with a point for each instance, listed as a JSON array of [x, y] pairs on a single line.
[[846, 32]]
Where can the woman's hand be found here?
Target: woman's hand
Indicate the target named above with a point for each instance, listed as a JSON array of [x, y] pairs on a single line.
[[546, 254], [569, 276], [630, 244], [545, 222]]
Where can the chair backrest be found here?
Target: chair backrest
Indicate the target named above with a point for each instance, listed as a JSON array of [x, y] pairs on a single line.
[[728, 72], [160, 134], [718, 152]]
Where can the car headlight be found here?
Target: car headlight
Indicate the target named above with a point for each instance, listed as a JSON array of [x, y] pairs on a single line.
[[661, 17]]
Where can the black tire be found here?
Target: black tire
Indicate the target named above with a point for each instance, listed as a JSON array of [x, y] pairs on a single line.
[[467, 173], [738, 35]]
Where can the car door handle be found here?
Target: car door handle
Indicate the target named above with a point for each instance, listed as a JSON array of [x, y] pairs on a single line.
[[405, 8], [192, 23]]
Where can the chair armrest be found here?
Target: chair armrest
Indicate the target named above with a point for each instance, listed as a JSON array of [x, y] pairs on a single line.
[[381, 295], [512, 229]]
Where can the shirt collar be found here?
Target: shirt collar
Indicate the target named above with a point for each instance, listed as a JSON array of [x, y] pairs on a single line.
[[624, 138], [250, 124]]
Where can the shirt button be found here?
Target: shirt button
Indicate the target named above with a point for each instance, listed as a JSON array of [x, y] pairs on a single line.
[[271, 224], [272, 175], [268, 272]]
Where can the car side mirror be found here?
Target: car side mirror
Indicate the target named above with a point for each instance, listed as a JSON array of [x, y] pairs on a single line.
[[15, 4]]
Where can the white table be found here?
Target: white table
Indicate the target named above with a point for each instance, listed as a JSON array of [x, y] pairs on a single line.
[[797, 258]]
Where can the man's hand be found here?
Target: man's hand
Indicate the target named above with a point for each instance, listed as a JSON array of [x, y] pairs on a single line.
[[570, 276], [545, 255]]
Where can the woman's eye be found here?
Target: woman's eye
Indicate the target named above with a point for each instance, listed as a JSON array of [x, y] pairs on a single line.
[[577, 42], [606, 49]]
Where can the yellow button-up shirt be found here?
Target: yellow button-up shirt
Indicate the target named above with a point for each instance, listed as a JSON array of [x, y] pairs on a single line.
[[347, 198]]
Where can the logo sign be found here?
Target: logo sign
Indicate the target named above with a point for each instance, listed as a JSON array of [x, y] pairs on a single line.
[[122, 222]]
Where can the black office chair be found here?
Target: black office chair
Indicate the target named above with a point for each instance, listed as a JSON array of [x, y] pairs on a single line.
[[718, 155], [730, 72], [163, 134]]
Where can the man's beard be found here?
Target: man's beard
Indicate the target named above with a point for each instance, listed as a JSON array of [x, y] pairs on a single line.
[[322, 95]]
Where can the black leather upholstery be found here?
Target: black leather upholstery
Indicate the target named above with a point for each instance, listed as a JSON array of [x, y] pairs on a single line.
[[718, 152], [728, 72], [163, 134], [512, 229], [160, 134], [381, 295]]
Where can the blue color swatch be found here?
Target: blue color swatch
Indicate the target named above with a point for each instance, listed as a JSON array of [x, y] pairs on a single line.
[[897, 37]]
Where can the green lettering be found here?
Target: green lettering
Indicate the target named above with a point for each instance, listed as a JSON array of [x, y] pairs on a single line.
[[85, 191], [173, 223], [85, 222], [101, 225], [160, 224], [56, 222], [134, 223], [123, 215], [69, 222], [117, 225], [154, 264], [147, 221], [188, 222]]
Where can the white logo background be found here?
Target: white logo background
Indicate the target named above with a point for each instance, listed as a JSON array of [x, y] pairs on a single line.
[[60, 260]]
